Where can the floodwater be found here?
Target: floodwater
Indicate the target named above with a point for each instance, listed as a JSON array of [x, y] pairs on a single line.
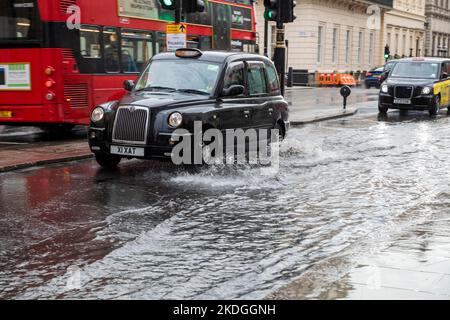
[[152, 231]]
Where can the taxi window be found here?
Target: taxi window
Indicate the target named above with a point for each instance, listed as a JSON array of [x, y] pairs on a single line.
[[181, 74], [234, 75], [416, 70], [272, 77], [256, 79]]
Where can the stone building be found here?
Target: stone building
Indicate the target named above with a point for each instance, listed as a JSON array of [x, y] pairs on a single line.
[[332, 35], [405, 28], [437, 28]]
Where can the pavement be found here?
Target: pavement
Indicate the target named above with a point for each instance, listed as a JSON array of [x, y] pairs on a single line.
[[307, 105], [413, 265], [18, 156]]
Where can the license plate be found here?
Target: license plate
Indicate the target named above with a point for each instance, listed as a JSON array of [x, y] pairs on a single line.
[[402, 101], [128, 151], [6, 114]]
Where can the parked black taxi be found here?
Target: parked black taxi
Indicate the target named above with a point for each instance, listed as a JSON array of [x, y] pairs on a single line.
[[223, 90], [417, 84]]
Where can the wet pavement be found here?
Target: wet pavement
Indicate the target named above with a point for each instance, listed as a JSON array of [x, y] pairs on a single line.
[[350, 194]]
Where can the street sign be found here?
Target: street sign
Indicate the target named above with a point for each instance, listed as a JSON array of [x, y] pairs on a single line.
[[176, 36]]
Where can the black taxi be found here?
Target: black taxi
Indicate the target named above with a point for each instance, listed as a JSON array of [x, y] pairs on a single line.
[[417, 84], [222, 90]]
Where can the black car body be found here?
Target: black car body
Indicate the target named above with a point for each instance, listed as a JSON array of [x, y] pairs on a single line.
[[417, 84], [241, 91]]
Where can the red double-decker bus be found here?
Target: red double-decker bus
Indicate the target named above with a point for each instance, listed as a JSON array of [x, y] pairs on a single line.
[[60, 58]]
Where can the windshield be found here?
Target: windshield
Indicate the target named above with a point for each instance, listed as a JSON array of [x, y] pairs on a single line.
[[184, 75], [19, 20], [421, 70]]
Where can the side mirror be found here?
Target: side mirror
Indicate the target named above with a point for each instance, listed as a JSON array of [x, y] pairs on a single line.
[[384, 76], [444, 75], [233, 91], [128, 85]]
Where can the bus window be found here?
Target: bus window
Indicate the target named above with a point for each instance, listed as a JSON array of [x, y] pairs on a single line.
[[161, 42], [137, 49], [90, 42], [19, 20], [111, 43]]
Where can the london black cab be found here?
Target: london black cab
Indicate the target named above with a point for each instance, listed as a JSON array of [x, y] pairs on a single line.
[[417, 84], [223, 90]]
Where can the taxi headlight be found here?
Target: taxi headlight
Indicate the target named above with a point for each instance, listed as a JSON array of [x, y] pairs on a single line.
[[384, 88], [97, 114], [175, 120], [426, 90]]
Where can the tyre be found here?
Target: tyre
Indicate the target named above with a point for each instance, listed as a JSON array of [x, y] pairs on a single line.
[[368, 86], [436, 106], [281, 132], [107, 161], [382, 109], [58, 131]]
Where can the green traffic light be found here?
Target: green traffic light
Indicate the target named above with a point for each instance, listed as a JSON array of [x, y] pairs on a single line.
[[167, 2], [270, 15]]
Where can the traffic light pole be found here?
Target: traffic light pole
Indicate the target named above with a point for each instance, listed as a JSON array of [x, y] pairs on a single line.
[[177, 11], [280, 55]]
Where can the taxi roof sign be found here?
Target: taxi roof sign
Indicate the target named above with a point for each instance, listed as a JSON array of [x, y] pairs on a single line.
[[188, 53]]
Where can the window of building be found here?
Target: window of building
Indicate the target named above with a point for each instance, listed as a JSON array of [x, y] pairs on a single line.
[[256, 79], [360, 46], [335, 46], [111, 45], [319, 44], [90, 42], [348, 42], [137, 49]]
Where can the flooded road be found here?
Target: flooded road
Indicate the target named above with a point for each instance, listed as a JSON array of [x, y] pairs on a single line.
[[154, 232]]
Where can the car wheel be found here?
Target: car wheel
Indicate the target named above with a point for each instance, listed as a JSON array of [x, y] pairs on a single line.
[[368, 86], [382, 109], [107, 161], [281, 134], [436, 106]]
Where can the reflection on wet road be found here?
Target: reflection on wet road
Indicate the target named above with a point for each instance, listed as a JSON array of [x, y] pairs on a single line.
[[152, 231]]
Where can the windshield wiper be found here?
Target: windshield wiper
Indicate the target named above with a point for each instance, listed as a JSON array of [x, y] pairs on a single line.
[[158, 88], [194, 91]]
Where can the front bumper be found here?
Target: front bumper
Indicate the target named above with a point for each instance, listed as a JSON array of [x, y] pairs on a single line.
[[422, 102], [161, 149]]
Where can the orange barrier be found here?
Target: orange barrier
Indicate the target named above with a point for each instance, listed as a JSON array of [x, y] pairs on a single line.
[[333, 79], [346, 80]]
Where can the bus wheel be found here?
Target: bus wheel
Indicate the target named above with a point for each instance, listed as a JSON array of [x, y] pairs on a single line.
[[59, 130], [107, 161]]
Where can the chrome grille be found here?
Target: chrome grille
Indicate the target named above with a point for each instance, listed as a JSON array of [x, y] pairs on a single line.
[[404, 92], [131, 125]]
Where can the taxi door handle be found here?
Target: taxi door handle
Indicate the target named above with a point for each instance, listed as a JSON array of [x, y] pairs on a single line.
[[247, 113]]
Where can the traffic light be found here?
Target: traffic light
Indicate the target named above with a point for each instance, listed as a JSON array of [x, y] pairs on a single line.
[[387, 52], [191, 6], [287, 11], [168, 4], [272, 8]]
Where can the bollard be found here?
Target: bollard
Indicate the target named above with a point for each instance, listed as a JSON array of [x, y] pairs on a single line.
[[345, 93]]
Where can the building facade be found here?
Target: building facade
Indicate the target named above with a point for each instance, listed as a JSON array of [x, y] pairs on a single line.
[[332, 35], [405, 28], [437, 28]]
